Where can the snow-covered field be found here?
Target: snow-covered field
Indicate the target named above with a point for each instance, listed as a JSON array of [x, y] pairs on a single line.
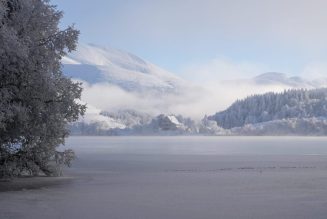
[[183, 177]]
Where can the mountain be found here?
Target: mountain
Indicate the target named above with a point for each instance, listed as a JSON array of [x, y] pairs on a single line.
[[140, 83], [95, 64], [127, 95], [122, 90], [281, 80]]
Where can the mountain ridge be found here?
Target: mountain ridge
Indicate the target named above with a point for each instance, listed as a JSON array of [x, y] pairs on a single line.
[[119, 68], [154, 87], [281, 79]]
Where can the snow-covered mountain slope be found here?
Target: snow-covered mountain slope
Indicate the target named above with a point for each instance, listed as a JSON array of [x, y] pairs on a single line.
[[94, 64], [121, 89], [281, 80]]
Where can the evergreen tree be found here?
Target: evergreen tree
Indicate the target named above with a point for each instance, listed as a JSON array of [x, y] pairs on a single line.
[[36, 100]]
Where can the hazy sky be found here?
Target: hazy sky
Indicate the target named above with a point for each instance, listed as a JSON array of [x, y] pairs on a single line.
[[227, 38]]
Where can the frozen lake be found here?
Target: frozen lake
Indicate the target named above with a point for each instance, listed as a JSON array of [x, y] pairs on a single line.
[[183, 177]]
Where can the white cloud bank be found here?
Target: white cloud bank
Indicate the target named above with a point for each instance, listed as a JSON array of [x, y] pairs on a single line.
[[219, 69], [194, 103]]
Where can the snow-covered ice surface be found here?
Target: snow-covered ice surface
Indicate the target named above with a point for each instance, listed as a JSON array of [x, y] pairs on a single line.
[[184, 177]]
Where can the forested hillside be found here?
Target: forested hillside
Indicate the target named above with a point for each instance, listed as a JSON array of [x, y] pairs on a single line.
[[274, 106]]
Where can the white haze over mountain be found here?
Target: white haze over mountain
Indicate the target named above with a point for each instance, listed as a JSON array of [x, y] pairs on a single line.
[[115, 80]]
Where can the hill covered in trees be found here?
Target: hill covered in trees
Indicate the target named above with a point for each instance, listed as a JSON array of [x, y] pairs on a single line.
[[291, 104]]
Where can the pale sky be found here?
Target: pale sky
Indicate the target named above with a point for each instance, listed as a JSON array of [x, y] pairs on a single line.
[[246, 37]]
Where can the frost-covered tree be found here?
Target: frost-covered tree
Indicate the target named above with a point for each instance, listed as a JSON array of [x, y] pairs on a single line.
[[36, 100]]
